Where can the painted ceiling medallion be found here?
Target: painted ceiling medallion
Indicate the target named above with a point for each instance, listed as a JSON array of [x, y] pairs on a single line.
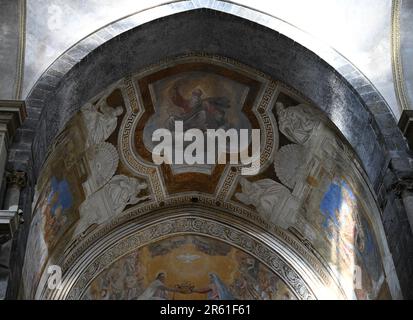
[[204, 93]]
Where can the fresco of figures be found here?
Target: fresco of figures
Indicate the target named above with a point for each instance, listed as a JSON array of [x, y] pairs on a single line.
[[188, 267], [201, 100], [79, 187], [312, 187], [315, 191]]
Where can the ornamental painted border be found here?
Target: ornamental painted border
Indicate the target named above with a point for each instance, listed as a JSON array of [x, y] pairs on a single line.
[[261, 109], [89, 269]]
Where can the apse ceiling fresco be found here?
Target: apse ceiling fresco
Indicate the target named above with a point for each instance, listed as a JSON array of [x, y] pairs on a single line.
[[188, 267], [122, 227]]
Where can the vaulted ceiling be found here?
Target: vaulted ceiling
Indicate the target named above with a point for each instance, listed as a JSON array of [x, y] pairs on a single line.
[[361, 31]]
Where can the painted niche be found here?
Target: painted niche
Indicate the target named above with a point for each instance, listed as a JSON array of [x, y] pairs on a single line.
[[188, 267]]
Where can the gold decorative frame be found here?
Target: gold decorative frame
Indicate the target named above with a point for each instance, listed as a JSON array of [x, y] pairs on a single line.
[[267, 95]]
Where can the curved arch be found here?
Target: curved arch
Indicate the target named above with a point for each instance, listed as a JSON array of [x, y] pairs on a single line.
[[369, 110], [100, 36], [134, 111], [78, 75], [86, 264]]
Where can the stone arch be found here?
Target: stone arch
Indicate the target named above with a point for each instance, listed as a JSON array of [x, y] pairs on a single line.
[[368, 108], [86, 264], [79, 74], [76, 202]]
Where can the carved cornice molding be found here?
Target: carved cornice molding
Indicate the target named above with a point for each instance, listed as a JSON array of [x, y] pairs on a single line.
[[12, 115], [9, 223]]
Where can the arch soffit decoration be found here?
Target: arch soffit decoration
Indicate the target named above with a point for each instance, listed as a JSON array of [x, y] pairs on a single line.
[[305, 282], [366, 110], [78, 255], [348, 110]]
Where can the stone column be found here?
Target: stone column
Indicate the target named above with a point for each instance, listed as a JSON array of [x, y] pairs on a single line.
[[406, 126], [16, 180], [407, 197], [10, 218], [12, 114]]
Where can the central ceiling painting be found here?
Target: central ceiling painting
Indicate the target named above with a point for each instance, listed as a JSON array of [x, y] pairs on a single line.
[[202, 96], [199, 100]]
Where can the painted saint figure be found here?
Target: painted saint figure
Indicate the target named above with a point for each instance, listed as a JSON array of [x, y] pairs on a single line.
[[58, 203], [198, 112], [271, 199], [110, 201], [297, 123], [158, 290], [124, 191], [100, 120], [216, 290]]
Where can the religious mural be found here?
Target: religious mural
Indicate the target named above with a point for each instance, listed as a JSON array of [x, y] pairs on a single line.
[[55, 205], [99, 171], [78, 188], [200, 100], [352, 244], [188, 267], [311, 169]]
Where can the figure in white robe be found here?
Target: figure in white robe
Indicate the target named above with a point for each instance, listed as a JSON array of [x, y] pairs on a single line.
[[157, 290], [100, 120], [297, 123], [124, 191], [109, 201], [216, 290], [272, 200]]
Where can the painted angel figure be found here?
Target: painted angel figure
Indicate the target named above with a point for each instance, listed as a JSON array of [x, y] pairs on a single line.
[[297, 123], [124, 191], [198, 112], [272, 200], [100, 120]]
